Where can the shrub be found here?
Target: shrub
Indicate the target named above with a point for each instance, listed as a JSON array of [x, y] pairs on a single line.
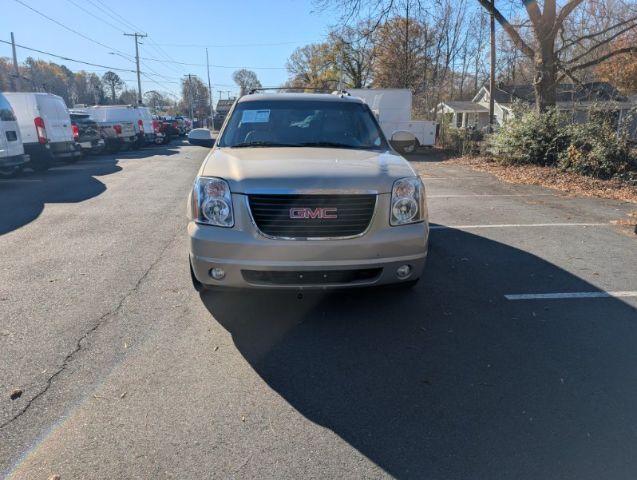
[[596, 149], [530, 137], [461, 141]]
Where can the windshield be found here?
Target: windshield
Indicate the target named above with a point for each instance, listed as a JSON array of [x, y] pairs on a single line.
[[308, 123]]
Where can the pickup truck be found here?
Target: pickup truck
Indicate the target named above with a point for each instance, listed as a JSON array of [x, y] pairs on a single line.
[[304, 191], [87, 133]]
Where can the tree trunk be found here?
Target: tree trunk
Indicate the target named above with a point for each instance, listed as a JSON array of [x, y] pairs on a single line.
[[545, 81]]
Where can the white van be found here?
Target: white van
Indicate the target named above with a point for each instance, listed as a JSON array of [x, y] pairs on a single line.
[[45, 125], [12, 157], [140, 117]]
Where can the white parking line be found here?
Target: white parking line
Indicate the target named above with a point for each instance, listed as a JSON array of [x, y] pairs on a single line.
[[569, 295], [494, 195], [517, 225]]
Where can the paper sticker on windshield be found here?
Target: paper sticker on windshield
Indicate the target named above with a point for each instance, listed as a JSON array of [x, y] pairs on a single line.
[[255, 116]]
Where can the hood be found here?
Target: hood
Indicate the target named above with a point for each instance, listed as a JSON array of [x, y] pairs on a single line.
[[301, 170]]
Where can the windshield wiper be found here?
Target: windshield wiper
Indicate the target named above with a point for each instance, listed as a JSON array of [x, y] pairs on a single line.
[[334, 145], [262, 144]]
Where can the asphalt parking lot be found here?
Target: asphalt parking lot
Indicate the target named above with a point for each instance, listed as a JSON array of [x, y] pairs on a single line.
[[513, 358]]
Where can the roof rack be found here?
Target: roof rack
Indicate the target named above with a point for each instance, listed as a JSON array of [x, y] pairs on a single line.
[[293, 89]]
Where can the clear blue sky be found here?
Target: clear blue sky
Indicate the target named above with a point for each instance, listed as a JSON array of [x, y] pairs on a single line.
[[250, 33]]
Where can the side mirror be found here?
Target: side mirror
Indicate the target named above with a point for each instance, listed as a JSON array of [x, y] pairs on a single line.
[[201, 137], [403, 141]]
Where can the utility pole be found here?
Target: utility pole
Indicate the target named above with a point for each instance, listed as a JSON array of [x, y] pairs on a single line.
[[16, 81], [190, 95], [139, 80], [209, 86], [492, 76], [407, 74]]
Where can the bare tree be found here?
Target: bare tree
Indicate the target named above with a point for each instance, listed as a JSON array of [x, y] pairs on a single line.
[[559, 41], [246, 79], [354, 50], [548, 23]]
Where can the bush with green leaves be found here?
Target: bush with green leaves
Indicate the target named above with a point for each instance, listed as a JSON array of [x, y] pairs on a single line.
[[598, 148], [530, 137], [462, 141]]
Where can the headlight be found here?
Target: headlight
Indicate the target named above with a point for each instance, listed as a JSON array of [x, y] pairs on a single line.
[[212, 202], [407, 201]]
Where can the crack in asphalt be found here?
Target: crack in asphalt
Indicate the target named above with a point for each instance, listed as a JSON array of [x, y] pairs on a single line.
[[78, 345]]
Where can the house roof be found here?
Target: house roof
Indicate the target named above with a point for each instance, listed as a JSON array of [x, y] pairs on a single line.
[[460, 106], [566, 92]]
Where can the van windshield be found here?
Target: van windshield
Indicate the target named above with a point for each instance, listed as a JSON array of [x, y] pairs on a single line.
[[307, 123]]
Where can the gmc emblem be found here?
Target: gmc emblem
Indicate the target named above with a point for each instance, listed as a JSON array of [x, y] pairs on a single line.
[[299, 213]]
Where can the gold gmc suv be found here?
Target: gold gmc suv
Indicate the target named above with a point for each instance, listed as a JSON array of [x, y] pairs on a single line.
[[304, 191]]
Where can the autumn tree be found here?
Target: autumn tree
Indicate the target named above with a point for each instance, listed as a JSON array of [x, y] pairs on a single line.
[[246, 79], [621, 70], [312, 66], [114, 83]]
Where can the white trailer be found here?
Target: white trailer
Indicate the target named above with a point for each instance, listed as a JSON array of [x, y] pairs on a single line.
[[392, 107]]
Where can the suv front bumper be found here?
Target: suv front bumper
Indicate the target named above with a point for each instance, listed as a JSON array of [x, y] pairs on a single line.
[[370, 259]]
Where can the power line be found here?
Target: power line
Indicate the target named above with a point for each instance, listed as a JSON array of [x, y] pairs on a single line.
[[114, 15], [127, 24], [212, 65], [68, 58], [66, 27], [236, 45], [96, 16]]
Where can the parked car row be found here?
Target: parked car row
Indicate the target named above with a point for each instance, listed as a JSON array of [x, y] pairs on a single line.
[[37, 129]]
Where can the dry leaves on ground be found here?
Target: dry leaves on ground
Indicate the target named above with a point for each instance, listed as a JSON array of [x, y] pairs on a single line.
[[550, 177]]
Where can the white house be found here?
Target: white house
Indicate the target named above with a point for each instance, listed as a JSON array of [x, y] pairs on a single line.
[[577, 99]]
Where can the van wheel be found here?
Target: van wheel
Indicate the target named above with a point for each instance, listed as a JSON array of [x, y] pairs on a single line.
[[8, 172]]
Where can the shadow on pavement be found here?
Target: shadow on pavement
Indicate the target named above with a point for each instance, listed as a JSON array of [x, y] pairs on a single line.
[[23, 198], [451, 380]]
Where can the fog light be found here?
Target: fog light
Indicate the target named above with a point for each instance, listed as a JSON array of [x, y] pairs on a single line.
[[403, 271], [217, 273]]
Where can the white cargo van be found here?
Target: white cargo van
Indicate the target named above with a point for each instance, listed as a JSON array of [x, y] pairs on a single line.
[[140, 117], [12, 157], [392, 108], [45, 126]]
